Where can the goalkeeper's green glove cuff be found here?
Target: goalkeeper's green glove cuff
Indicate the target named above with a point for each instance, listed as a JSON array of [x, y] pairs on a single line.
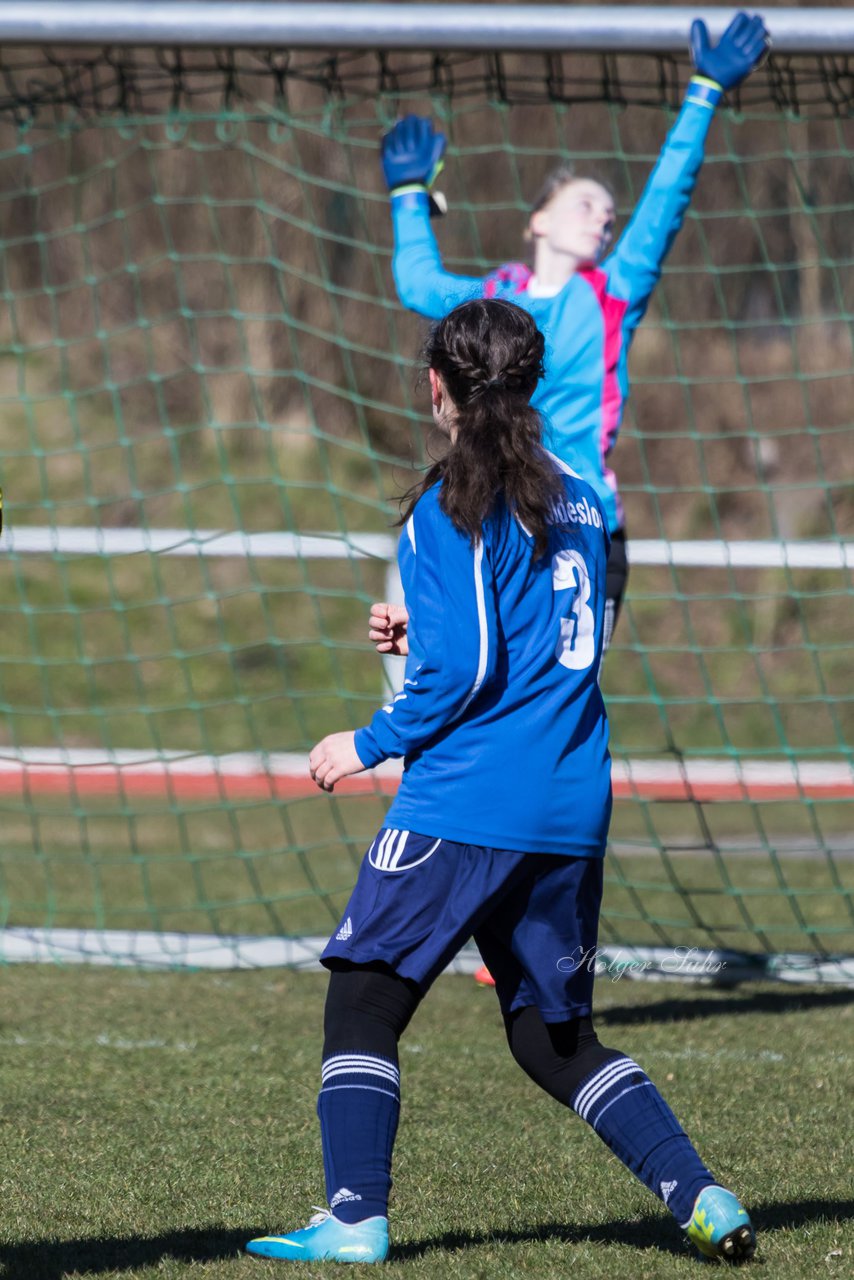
[[704, 92], [437, 203]]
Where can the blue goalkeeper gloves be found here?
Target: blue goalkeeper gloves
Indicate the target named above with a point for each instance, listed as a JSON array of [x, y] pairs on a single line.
[[735, 55], [412, 154]]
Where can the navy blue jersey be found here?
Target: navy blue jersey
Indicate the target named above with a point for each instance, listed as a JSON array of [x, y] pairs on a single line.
[[500, 720]]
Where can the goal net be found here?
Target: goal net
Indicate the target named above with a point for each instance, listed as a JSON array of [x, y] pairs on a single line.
[[209, 406]]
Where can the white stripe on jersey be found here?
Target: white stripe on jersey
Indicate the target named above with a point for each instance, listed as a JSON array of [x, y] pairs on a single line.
[[483, 653], [560, 465]]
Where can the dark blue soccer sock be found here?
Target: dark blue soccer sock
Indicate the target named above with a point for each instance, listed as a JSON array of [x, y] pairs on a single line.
[[358, 1108], [624, 1107]]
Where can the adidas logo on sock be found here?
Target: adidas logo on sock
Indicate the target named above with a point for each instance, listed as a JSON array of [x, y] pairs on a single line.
[[340, 1197], [345, 931], [667, 1190]]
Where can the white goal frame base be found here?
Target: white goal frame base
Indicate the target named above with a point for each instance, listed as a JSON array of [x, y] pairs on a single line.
[[207, 951]]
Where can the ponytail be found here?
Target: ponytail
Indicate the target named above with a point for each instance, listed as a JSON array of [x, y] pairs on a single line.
[[489, 355]]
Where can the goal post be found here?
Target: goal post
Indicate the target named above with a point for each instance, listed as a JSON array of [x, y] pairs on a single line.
[[208, 407]]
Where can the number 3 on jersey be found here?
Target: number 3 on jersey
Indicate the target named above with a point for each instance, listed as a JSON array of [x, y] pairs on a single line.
[[576, 646]]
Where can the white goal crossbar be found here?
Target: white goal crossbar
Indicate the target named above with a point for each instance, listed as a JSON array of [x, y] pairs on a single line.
[[508, 28]]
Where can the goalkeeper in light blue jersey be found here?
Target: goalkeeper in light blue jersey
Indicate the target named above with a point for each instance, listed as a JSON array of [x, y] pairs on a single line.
[[586, 297], [498, 830]]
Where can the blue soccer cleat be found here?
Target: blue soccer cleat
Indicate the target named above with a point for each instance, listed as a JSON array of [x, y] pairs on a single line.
[[720, 1227], [326, 1239]]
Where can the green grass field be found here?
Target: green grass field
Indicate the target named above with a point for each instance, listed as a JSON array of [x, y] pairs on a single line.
[[151, 1123]]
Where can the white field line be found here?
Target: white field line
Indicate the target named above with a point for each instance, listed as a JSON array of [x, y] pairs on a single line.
[[710, 553]]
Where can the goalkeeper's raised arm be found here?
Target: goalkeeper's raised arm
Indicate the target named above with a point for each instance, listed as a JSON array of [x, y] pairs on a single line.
[[586, 297], [635, 265], [412, 157]]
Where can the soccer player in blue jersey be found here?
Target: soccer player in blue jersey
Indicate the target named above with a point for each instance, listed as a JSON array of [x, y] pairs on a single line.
[[585, 297], [498, 829]]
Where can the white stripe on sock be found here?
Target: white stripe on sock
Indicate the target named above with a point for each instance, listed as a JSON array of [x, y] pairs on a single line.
[[350, 1073], [641, 1084], [584, 1111], [344, 1064], [601, 1082], [359, 1070], [600, 1077], [360, 1062]]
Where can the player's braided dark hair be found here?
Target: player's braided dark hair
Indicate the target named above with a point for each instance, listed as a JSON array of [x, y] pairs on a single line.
[[489, 355]]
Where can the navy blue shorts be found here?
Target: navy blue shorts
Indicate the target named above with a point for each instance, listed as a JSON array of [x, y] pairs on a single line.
[[534, 917]]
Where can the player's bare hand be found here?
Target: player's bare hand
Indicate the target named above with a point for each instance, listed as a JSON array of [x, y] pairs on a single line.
[[334, 758], [387, 628]]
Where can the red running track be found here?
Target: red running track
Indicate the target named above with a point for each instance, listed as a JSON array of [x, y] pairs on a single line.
[[78, 774]]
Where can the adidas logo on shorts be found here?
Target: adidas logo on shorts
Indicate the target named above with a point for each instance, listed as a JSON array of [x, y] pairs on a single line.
[[345, 931]]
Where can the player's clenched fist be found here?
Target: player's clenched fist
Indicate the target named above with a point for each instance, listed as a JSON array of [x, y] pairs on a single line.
[[387, 628], [334, 758]]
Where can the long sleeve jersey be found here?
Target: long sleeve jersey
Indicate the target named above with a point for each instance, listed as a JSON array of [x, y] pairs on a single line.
[[500, 720], [589, 325]]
